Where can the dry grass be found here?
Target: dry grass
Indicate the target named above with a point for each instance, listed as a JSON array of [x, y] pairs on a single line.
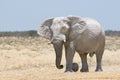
[[33, 59]]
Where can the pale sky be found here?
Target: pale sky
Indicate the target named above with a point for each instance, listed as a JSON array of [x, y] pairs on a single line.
[[22, 15]]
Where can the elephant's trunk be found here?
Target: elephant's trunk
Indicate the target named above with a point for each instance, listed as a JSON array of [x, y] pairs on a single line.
[[58, 50]]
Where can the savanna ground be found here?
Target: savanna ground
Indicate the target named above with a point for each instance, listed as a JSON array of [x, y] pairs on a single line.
[[33, 59]]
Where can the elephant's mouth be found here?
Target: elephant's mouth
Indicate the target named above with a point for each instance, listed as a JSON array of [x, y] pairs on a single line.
[[58, 39]]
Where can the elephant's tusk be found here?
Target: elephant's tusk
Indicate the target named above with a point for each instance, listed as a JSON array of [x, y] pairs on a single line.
[[64, 40]]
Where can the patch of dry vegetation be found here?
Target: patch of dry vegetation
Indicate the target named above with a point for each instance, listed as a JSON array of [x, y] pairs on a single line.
[[33, 59], [112, 43]]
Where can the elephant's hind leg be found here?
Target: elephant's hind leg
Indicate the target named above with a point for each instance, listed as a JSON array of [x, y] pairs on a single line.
[[84, 62], [99, 55]]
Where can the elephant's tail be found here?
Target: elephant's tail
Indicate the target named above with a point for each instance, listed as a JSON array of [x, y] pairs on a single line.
[[91, 54]]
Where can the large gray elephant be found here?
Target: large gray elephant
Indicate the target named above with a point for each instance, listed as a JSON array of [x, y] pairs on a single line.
[[83, 35]]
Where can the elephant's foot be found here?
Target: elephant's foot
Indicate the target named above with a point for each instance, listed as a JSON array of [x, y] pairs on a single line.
[[98, 70], [75, 67], [84, 70]]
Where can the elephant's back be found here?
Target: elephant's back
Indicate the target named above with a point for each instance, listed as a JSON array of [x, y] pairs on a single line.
[[93, 27], [91, 21]]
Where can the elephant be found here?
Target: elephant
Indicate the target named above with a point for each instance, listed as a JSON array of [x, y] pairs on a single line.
[[77, 34]]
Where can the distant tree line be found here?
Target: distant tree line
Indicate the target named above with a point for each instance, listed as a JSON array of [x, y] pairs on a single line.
[[33, 33], [112, 33], [30, 33]]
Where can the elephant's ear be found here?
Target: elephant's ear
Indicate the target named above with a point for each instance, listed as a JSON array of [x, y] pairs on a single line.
[[77, 25], [73, 20], [44, 30]]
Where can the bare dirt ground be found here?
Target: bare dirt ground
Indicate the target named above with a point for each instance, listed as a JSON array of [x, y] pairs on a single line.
[[33, 59]]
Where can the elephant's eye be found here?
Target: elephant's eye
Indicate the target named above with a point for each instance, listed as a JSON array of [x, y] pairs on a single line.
[[64, 29]]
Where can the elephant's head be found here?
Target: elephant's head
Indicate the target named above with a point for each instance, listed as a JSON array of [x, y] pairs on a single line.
[[58, 31]]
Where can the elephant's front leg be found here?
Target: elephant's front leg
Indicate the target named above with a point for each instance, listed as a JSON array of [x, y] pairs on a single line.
[[84, 62], [69, 54]]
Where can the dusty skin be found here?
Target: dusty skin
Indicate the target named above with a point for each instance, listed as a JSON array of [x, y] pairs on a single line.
[[33, 59]]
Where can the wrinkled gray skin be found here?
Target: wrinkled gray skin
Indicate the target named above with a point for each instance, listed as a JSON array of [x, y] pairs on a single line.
[[83, 35]]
